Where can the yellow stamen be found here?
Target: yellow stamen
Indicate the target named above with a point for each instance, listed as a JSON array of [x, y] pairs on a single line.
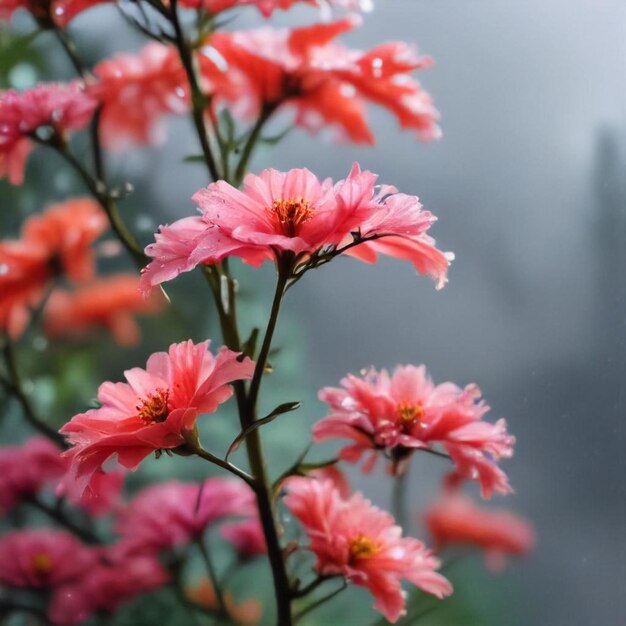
[[290, 215], [363, 547], [409, 412], [154, 408], [41, 563]]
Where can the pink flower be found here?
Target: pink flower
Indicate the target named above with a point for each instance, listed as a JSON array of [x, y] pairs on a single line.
[[104, 588], [136, 92], [38, 465], [324, 82], [456, 520], [246, 537], [294, 213], [51, 107], [398, 414], [26, 469], [109, 303], [171, 514], [56, 242], [352, 538], [156, 409], [42, 559]]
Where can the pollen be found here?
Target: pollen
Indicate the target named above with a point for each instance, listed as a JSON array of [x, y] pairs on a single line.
[[410, 412], [290, 215], [154, 408], [363, 547], [41, 563]]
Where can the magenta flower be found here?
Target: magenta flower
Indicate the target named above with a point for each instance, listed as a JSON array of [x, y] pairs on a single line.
[[156, 409], [455, 520], [396, 415], [171, 514], [294, 213], [55, 108], [105, 587], [37, 465], [42, 559], [354, 539]]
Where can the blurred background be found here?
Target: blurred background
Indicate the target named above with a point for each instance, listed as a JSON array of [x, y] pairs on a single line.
[[529, 186]]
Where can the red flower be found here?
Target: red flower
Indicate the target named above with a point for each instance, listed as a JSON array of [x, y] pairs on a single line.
[[156, 409], [51, 107], [456, 520], [136, 91], [110, 303], [57, 242], [395, 415], [48, 12], [352, 538], [326, 83]]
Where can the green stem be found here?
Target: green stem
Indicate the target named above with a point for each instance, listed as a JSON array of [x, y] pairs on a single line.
[[210, 567], [399, 497], [314, 605], [198, 100], [248, 149]]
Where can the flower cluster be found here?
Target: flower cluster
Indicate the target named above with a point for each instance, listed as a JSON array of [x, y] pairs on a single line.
[[54, 244], [324, 82], [399, 414]]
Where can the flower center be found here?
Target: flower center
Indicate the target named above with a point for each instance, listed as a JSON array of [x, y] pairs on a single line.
[[290, 215], [41, 563], [154, 408], [410, 413], [362, 547]]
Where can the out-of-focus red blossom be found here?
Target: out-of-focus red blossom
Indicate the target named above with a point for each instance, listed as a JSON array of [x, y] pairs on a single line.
[[43, 559], [110, 303], [27, 469], [456, 520], [398, 414], [156, 409], [327, 83], [267, 7], [352, 538], [246, 537], [247, 613], [136, 91], [48, 12], [296, 213], [54, 106], [172, 513], [55, 243], [105, 587]]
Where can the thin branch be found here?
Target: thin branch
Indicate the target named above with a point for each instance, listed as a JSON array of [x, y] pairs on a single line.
[[207, 456], [308, 609], [210, 567], [14, 385], [60, 518]]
